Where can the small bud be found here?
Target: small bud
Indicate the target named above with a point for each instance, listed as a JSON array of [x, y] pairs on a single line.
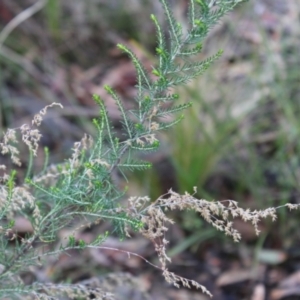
[[97, 98], [108, 88], [153, 18], [159, 51], [156, 73], [121, 47], [155, 143]]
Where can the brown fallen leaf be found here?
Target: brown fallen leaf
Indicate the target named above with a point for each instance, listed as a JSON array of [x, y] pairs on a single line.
[[22, 225], [237, 276], [277, 294], [291, 281], [259, 292]]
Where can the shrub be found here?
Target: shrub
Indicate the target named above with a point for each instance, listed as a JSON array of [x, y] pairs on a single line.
[[83, 190]]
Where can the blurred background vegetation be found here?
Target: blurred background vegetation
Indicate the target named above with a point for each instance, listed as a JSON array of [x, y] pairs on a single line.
[[241, 138]]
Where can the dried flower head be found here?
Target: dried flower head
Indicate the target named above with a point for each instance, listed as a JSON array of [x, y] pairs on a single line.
[[219, 214], [38, 118]]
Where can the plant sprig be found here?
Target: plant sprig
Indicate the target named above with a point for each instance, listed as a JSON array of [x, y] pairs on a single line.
[[84, 191]]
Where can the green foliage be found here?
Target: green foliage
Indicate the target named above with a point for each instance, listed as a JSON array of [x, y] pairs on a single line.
[[82, 191], [205, 144], [53, 11]]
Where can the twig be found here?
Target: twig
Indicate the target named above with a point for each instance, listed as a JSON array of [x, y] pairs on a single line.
[[21, 61], [21, 17]]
